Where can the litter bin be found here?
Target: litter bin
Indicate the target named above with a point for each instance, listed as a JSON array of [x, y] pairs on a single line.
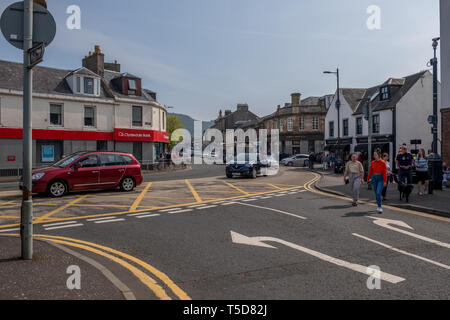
[[435, 173]]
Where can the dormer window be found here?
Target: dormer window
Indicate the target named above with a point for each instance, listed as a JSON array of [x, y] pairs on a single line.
[[132, 87], [88, 85], [385, 93]]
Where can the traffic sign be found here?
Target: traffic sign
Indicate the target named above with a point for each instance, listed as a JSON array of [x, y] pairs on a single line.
[[12, 23]]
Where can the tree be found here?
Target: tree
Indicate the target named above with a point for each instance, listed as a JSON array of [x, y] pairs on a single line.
[[173, 123]]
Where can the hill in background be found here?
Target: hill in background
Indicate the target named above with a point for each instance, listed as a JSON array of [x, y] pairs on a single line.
[[188, 122]]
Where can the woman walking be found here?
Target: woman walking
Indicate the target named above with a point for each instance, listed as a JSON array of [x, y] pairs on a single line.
[[389, 175], [378, 177], [354, 171], [421, 164]]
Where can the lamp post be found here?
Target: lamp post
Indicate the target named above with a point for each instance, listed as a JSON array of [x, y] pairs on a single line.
[[338, 108]]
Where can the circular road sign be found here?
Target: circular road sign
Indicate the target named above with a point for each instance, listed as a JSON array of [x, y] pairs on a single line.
[[12, 20]]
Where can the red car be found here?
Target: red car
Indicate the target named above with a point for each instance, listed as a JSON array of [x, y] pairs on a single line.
[[88, 171]]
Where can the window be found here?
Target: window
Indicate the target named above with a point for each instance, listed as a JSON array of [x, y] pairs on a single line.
[[88, 85], [89, 117], [56, 115], [359, 126], [345, 127], [78, 88], [111, 160], [102, 145], [137, 116], [97, 91], [281, 125], [89, 162], [315, 123], [385, 93], [376, 124], [331, 128], [290, 124], [302, 123]]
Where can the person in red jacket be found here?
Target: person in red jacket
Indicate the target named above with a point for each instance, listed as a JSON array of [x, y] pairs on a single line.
[[378, 177]]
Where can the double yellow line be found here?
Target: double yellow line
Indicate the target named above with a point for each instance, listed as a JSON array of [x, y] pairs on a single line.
[[158, 287]]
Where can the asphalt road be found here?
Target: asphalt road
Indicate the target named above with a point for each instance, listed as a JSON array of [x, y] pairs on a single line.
[[288, 242]]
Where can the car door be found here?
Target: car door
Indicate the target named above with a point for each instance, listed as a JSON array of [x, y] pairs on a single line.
[[113, 167], [299, 161], [87, 176]]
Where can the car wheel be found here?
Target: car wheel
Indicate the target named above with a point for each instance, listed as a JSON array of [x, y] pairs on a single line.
[[254, 174], [57, 189], [229, 176], [290, 164], [127, 184]]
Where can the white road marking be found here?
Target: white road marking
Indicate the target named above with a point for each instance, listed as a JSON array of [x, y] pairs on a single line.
[[8, 230], [64, 227], [260, 242], [271, 209], [148, 216], [228, 203], [263, 198], [279, 195], [208, 207], [108, 221], [403, 252], [385, 223], [98, 219], [138, 214], [197, 206], [181, 211], [166, 210], [59, 224]]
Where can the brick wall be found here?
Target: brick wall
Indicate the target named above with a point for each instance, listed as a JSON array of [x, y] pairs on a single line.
[[446, 134]]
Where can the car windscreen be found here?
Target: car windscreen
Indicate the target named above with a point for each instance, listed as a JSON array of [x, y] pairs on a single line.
[[67, 160]]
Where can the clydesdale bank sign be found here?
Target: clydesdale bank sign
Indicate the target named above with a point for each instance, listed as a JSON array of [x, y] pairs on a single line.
[[140, 135]]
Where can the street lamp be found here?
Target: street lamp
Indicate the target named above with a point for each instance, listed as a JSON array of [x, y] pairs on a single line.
[[338, 107]]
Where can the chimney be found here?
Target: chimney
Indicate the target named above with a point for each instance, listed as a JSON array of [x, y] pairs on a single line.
[[295, 99], [242, 107], [95, 61], [112, 66], [278, 108]]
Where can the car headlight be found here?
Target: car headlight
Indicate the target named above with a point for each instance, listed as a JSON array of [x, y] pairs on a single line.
[[38, 176]]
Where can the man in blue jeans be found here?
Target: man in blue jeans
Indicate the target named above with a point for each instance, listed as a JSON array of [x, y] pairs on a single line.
[[405, 164]]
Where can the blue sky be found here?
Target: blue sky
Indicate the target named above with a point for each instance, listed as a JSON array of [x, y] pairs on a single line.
[[204, 55]]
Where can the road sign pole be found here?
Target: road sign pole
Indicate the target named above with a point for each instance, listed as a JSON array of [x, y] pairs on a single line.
[[26, 227]]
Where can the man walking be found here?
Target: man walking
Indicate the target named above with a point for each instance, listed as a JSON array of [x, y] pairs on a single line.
[[311, 160], [405, 164]]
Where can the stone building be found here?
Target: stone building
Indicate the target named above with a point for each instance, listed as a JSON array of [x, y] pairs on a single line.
[[445, 67], [241, 118], [301, 125]]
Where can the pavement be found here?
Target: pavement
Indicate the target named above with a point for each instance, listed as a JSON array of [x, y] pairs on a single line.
[[438, 203], [201, 236]]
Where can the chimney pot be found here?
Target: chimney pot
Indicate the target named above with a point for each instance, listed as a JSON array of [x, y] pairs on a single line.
[[295, 99]]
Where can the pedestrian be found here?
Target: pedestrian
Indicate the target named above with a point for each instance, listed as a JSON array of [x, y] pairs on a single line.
[[445, 175], [378, 177], [311, 160], [421, 164], [324, 163], [389, 175], [405, 164], [332, 161], [354, 172]]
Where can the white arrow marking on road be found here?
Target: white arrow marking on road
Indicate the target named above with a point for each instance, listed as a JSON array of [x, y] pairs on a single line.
[[403, 252], [386, 223], [260, 242]]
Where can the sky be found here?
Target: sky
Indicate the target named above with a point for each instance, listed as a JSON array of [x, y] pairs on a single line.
[[202, 56]]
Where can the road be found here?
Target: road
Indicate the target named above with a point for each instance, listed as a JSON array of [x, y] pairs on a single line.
[[197, 235]]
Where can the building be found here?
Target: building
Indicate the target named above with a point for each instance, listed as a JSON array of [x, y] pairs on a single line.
[[96, 107], [238, 119], [400, 111], [300, 123], [445, 76]]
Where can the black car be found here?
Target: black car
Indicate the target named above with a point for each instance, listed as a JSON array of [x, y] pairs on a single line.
[[247, 165]]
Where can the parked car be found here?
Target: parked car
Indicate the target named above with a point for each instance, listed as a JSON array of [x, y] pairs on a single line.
[[88, 171], [296, 161], [245, 165]]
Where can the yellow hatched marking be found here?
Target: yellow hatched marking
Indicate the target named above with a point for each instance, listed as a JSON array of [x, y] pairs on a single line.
[[194, 193], [51, 213], [236, 188]]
